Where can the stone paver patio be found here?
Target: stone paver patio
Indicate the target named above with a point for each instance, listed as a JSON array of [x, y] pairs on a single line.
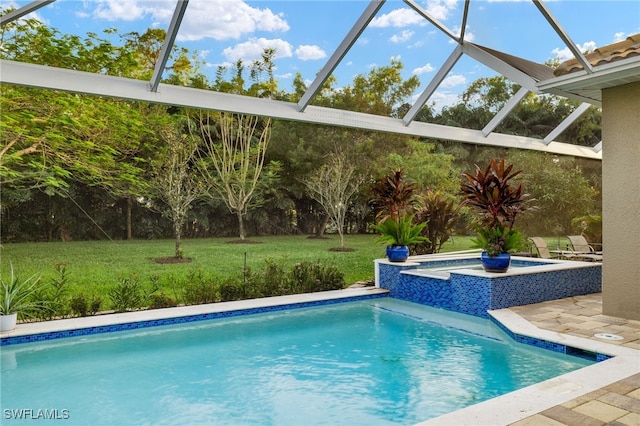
[[616, 404]]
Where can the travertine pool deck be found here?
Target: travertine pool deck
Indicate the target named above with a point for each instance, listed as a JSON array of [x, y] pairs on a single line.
[[615, 404], [605, 393]]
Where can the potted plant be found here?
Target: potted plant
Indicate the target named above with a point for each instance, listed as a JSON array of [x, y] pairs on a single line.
[[394, 200], [16, 297], [399, 233], [497, 201]]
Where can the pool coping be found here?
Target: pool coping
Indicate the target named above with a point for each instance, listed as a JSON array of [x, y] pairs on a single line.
[[155, 317], [505, 409]]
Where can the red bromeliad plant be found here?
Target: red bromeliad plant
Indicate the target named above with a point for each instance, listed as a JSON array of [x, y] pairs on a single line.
[[497, 201]]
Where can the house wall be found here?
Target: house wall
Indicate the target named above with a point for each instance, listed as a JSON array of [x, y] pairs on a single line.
[[621, 201]]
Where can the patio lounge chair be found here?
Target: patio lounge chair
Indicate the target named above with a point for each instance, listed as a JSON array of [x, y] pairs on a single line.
[[582, 249], [541, 247], [545, 253]]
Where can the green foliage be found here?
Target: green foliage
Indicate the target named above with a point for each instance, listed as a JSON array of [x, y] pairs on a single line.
[[199, 288], [400, 231], [307, 277], [16, 295], [81, 306], [231, 290], [500, 240], [561, 190], [275, 279], [160, 300], [270, 280], [426, 167], [440, 213], [590, 226], [55, 295], [127, 295]]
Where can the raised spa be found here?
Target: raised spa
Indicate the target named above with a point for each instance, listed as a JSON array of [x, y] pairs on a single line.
[[458, 282]]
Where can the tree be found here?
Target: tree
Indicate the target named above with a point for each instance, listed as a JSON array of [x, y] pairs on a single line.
[[51, 137], [232, 163], [560, 190], [428, 169], [172, 179], [333, 185]]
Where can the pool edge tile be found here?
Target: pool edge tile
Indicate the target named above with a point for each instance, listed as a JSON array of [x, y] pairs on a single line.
[[70, 327]]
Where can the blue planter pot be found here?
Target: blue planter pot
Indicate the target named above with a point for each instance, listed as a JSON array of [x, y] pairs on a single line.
[[397, 253], [499, 263]]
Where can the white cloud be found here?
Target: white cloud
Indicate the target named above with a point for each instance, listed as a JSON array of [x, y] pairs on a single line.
[[565, 54], [440, 9], [441, 99], [423, 69], [307, 52], [217, 19], [468, 35], [453, 80], [619, 37], [404, 17], [252, 50], [115, 10], [227, 19], [402, 37], [398, 18]]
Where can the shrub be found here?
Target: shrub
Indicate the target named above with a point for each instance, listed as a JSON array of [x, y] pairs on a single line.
[[310, 277], [127, 294], [303, 277], [161, 300], [270, 281], [54, 295], [199, 289], [440, 212], [81, 306], [231, 290]]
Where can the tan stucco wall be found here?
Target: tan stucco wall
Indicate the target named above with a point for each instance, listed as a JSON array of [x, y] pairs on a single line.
[[621, 201]]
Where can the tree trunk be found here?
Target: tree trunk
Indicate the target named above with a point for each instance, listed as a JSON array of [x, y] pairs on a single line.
[[129, 223], [322, 226], [341, 235], [240, 224], [178, 234]]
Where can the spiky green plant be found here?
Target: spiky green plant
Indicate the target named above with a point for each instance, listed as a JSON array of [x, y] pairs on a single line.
[[400, 231], [17, 295]]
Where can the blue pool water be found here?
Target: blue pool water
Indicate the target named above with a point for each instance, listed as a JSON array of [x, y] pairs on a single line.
[[375, 362]]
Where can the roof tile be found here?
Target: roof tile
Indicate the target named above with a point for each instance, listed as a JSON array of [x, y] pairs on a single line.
[[603, 55]]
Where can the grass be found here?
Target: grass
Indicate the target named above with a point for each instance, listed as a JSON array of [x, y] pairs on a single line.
[[95, 266]]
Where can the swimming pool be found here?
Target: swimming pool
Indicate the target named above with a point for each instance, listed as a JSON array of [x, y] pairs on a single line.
[[372, 361]]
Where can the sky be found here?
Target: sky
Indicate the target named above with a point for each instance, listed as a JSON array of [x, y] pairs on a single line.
[[305, 33]]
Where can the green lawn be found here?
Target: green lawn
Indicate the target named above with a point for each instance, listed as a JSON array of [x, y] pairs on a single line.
[[94, 266]]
